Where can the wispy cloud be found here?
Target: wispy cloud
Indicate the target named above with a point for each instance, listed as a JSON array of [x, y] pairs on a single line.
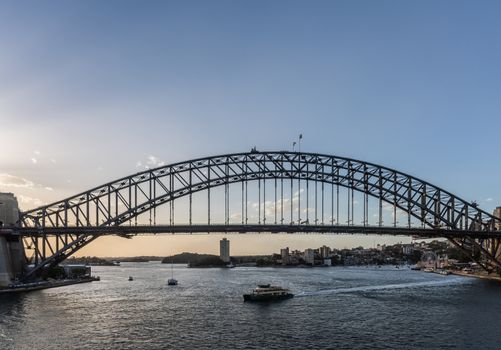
[[151, 162], [154, 162], [489, 199], [29, 200], [8, 180], [38, 158]]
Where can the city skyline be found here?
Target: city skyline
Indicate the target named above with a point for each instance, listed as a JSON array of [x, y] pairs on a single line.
[[81, 106]]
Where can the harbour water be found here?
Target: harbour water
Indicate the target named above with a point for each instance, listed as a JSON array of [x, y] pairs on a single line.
[[333, 308]]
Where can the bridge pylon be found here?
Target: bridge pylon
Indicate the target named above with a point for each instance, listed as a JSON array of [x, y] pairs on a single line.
[[12, 255]]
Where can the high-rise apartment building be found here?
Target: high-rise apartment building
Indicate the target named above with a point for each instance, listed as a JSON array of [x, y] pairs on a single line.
[[224, 250], [309, 256]]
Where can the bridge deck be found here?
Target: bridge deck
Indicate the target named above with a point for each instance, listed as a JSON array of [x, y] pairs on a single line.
[[242, 229]]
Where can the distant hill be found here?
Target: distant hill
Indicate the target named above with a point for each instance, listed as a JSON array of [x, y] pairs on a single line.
[[89, 260], [211, 261], [193, 258], [137, 258]]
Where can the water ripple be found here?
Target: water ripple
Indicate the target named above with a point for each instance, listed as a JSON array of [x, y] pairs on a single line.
[[334, 308]]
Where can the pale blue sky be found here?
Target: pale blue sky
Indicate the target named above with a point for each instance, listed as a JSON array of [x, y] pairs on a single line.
[[90, 88]]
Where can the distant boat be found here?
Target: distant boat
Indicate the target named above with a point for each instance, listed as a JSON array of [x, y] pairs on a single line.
[[130, 278], [172, 281], [266, 292]]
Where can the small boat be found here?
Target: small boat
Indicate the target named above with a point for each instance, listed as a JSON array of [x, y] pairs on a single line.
[[130, 278], [172, 281], [266, 292]]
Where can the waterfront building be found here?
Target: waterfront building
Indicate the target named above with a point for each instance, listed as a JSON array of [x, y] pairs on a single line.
[[325, 252], [407, 249], [285, 255], [224, 250], [442, 262], [497, 212], [297, 253], [327, 262], [295, 257], [309, 256]]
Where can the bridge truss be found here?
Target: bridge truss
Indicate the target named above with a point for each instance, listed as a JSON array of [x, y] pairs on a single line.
[[273, 192]]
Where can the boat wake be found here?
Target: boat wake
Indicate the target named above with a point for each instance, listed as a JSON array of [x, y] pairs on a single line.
[[445, 282], [3, 336]]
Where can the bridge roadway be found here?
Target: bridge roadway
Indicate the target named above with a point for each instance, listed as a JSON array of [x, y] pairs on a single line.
[[252, 228]]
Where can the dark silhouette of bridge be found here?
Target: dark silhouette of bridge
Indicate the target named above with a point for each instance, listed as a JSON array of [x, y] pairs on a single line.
[[275, 192]]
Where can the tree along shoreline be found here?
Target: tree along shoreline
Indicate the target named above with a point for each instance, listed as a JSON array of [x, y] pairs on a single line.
[[195, 260]]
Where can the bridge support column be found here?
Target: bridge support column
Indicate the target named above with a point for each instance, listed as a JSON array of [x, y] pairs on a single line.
[[12, 257], [12, 260]]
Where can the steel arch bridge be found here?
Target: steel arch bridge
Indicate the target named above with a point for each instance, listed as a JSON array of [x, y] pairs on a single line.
[[295, 192]]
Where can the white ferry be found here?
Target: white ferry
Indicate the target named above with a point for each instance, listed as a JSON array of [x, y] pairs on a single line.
[[266, 292]]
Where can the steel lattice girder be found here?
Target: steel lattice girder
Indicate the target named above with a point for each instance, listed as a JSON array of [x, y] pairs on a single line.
[[123, 200]]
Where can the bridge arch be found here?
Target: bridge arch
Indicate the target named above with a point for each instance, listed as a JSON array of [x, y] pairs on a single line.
[[432, 205], [116, 203]]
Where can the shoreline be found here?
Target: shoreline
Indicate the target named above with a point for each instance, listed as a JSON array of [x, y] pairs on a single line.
[[45, 285], [476, 275]]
